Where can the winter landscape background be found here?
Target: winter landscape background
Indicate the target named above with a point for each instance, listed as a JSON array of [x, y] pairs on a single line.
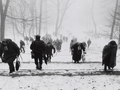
[[62, 73]]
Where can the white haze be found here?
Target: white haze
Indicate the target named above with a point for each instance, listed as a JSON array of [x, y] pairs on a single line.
[[78, 18]]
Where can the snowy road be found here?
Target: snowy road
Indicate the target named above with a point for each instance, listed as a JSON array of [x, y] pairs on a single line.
[[62, 64], [62, 74]]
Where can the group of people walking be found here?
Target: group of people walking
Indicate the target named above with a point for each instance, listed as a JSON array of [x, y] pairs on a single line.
[[78, 50], [41, 51], [9, 51]]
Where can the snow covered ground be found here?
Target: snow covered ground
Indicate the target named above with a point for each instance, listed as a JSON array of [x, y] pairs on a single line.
[[62, 74]]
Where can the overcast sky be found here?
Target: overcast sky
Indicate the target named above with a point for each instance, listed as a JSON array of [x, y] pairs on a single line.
[[79, 14]]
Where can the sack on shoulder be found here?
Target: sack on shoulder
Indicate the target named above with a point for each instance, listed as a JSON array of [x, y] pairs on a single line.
[[17, 65]]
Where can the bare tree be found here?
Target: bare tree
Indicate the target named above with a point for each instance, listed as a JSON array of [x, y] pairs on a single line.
[[118, 25], [3, 12], [93, 19], [60, 15], [32, 12], [115, 23], [23, 17], [114, 18], [40, 17]]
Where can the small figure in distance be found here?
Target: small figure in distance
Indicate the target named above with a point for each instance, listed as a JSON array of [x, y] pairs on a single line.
[[22, 46], [89, 43]]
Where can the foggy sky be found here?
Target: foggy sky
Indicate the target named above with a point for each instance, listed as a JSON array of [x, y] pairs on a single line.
[[78, 16]]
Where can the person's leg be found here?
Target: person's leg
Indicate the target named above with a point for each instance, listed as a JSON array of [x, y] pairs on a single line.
[[36, 62], [10, 62], [40, 62], [74, 58], [50, 58], [11, 67], [45, 58], [79, 56], [105, 67]]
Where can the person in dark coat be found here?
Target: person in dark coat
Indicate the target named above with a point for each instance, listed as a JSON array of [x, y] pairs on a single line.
[[10, 52], [38, 48], [22, 46], [77, 49], [109, 55], [49, 50]]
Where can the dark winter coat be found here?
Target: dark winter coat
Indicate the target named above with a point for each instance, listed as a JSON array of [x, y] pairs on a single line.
[[49, 48], [77, 51], [11, 49], [38, 47], [109, 54]]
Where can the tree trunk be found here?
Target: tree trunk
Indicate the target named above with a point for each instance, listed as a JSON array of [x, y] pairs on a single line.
[[2, 27], [60, 19], [31, 30], [3, 18], [112, 29], [119, 39], [40, 21], [93, 19], [57, 19]]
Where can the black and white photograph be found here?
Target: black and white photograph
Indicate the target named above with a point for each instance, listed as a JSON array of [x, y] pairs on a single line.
[[59, 44]]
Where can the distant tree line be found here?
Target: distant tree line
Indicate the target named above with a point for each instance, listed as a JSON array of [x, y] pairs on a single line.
[[30, 17]]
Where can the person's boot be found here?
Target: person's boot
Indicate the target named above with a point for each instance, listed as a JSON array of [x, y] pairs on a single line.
[[11, 71], [105, 68], [40, 68], [37, 67]]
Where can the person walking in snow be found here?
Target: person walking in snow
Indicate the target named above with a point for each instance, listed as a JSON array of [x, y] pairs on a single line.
[[77, 50], [49, 50], [10, 51], [38, 48], [109, 55]]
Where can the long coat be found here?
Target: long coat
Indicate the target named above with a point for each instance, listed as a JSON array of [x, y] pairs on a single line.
[[11, 51], [38, 47], [77, 51], [109, 55], [49, 48]]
